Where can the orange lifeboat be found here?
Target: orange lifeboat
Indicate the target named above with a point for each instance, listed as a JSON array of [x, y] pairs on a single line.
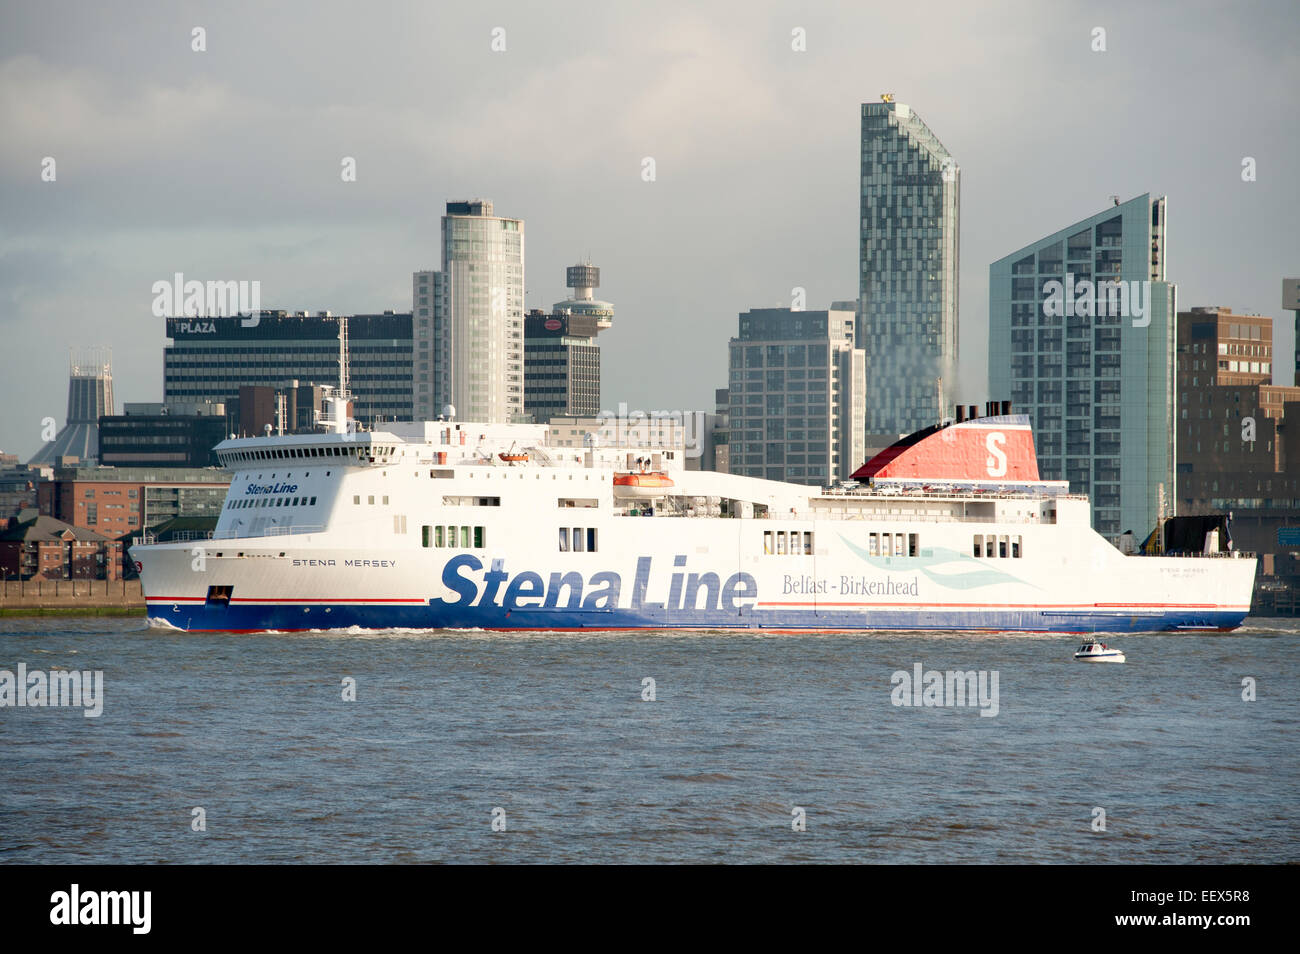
[[649, 484], [513, 456]]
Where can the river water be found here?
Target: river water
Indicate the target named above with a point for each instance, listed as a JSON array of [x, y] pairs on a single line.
[[485, 747]]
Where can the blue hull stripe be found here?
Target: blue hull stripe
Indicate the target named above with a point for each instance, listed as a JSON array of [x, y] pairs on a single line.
[[434, 615]]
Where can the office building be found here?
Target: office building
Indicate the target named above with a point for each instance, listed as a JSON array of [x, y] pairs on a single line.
[[561, 365], [908, 268], [116, 501], [796, 396], [470, 353], [1237, 452], [18, 484], [1081, 338], [163, 435], [288, 409], [561, 357], [210, 359]]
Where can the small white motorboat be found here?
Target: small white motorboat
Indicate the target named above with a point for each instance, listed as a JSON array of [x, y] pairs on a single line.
[[1098, 652]]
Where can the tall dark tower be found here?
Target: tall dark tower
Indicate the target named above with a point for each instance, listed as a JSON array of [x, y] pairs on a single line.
[[90, 396]]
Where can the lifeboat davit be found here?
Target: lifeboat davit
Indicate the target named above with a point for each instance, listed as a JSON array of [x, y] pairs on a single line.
[[651, 484]]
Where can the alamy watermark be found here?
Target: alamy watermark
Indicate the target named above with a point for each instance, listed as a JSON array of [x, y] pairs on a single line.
[[192, 299], [936, 689], [665, 430], [77, 906], [61, 688], [1087, 298]]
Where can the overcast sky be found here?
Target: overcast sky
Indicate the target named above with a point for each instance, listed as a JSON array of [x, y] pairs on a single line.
[[225, 164]]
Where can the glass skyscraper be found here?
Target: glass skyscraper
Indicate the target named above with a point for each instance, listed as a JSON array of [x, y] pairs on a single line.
[[1099, 388], [908, 259], [469, 319]]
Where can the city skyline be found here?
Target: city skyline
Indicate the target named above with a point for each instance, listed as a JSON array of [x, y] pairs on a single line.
[[147, 184]]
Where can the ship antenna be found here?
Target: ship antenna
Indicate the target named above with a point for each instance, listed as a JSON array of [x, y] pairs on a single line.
[[344, 371]]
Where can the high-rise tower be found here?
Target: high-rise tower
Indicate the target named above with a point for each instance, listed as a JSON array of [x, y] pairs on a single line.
[[908, 258], [469, 319], [1081, 338]]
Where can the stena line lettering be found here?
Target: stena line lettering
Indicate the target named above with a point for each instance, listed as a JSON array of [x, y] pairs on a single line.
[[270, 489], [996, 463], [529, 590]]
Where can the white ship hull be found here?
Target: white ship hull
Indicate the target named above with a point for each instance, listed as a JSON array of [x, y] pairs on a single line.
[[546, 546]]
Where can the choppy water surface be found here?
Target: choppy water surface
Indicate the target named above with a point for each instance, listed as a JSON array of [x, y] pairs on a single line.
[[553, 730]]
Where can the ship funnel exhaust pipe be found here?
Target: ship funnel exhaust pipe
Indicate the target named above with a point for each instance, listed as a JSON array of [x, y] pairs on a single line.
[[961, 414], [1006, 407]]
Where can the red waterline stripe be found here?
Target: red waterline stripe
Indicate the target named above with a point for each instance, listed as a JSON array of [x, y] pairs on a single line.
[[281, 599], [1081, 606]]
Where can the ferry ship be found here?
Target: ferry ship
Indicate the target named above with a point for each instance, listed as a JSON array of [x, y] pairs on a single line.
[[455, 525]]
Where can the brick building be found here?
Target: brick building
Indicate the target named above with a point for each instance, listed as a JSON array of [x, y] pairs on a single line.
[[1238, 450], [42, 548], [116, 501]]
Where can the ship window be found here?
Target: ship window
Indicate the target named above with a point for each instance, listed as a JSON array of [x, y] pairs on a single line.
[[370, 499], [591, 539], [886, 544], [767, 541], [979, 545], [464, 537], [808, 543], [312, 502], [911, 544], [989, 544], [425, 535], [873, 545], [1002, 547], [385, 500], [356, 498], [898, 545], [479, 538], [780, 542], [437, 536], [564, 539], [1015, 547], [577, 540]]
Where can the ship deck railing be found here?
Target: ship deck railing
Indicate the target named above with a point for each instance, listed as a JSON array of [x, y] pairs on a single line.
[[243, 533], [877, 493], [836, 516], [1218, 555]]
